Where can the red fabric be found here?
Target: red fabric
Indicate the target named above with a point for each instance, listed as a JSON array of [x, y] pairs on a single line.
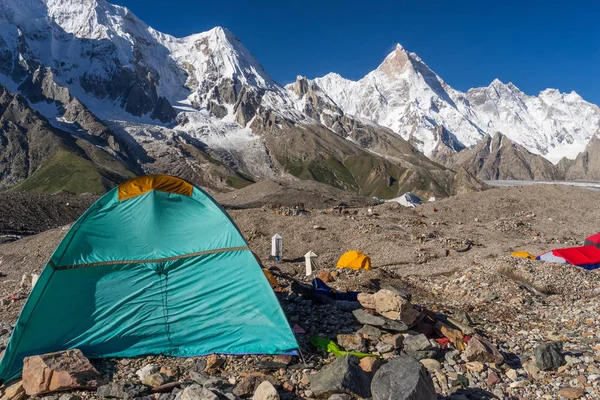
[[443, 342], [579, 255], [595, 239]]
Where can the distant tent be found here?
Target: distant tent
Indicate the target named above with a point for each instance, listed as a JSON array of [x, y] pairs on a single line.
[[593, 240], [354, 260], [523, 254], [587, 257], [153, 267]]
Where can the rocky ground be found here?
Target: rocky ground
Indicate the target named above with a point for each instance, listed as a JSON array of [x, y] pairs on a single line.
[[452, 256]]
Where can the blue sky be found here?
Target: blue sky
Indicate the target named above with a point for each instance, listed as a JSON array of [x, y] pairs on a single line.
[[535, 44]]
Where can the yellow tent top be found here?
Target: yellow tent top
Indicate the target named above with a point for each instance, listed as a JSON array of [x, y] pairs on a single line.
[[354, 259], [523, 254]]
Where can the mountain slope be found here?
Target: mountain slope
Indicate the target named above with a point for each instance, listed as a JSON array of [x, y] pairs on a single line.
[[36, 156], [586, 166], [201, 107], [405, 95], [498, 157]]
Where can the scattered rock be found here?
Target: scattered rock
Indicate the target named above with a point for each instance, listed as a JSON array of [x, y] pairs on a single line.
[[419, 347], [265, 391], [370, 364], [352, 342], [383, 347], [475, 366], [549, 356], [571, 392], [405, 294], [395, 340], [14, 392], [57, 371], [480, 349], [119, 390], [492, 378], [197, 392], [366, 318], [370, 332], [402, 378], [343, 375], [156, 379], [325, 276], [395, 307], [366, 300], [248, 384], [147, 370], [431, 364], [340, 397], [214, 364]]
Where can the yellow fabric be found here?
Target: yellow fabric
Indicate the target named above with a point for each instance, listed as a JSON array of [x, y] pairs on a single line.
[[163, 183], [354, 260], [523, 254]]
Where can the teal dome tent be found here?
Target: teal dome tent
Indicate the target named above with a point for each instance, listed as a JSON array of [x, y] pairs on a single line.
[[153, 267]]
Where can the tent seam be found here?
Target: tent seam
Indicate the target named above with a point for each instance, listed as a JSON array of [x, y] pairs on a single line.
[[152, 261]]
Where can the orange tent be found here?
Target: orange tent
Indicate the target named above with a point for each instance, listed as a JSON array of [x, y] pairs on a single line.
[[354, 259]]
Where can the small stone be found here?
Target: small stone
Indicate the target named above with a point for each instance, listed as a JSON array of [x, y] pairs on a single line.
[[147, 370], [213, 364], [419, 347], [475, 366], [492, 378], [480, 349], [325, 276], [395, 340], [549, 356], [370, 364], [519, 384], [15, 392], [366, 318], [197, 392], [370, 332], [383, 347], [340, 397], [170, 372], [366, 300], [352, 342], [116, 390], [512, 374], [571, 392], [287, 386], [155, 380], [431, 364], [265, 391]]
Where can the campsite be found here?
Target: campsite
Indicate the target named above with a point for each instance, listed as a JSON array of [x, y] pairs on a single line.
[[446, 264]]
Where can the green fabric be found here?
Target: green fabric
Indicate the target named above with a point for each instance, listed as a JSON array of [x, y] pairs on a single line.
[[188, 305], [331, 347]]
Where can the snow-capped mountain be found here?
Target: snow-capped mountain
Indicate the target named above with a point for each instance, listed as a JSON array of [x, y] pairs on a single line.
[[405, 95], [200, 106]]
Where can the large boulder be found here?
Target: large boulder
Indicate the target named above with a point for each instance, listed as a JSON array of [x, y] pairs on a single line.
[[393, 306], [549, 356], [402, 378], [63, 370], [343, 375], [481, 349]]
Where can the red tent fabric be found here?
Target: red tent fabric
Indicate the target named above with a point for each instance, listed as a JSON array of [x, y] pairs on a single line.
[[593, 240], [585, 255]]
